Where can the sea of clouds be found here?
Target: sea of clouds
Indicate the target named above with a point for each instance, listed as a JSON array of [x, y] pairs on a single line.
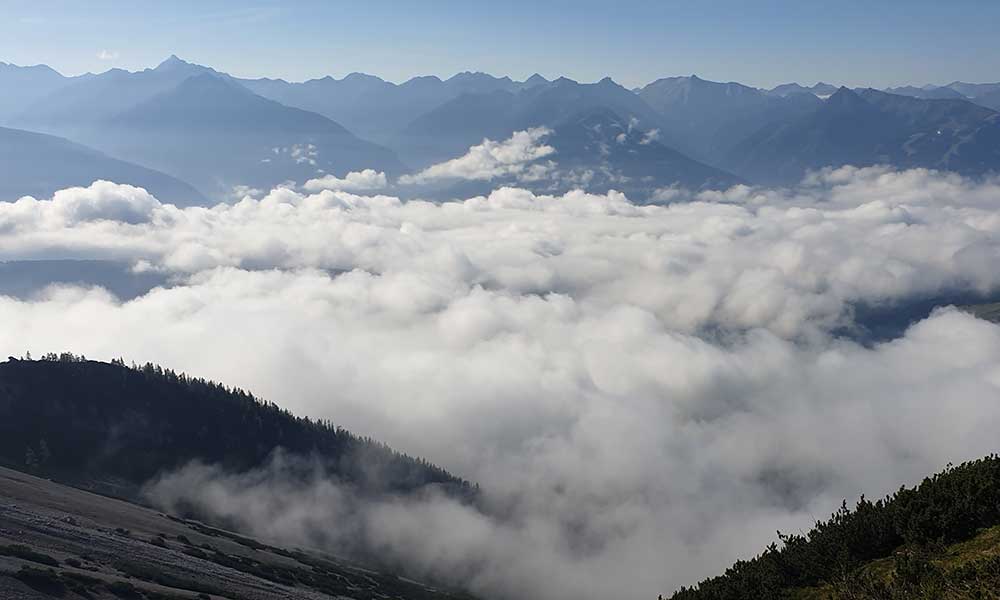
[[645, 393]]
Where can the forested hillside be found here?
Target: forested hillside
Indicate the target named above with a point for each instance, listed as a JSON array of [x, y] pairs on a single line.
[[932, 541], [86, 420]]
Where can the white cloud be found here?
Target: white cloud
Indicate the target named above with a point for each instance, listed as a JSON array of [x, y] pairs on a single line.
[[490, 159], [101, 201], [645, 392], [355, 181], [650, 136], [107, 55]]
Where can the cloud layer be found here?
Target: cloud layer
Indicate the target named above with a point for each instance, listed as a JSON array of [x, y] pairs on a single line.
[[645, 392]]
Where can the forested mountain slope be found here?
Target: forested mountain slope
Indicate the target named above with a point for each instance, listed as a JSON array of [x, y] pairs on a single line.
[[92, 420], [908, 545]]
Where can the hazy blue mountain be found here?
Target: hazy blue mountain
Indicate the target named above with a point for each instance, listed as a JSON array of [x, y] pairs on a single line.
[[820, 89], [215, 133], [598, 150], [871, 127], [983, 94], [990, 100], [974, 90], [927, 92], [624, 157], [707, 119], [452, 127], [25, 278], [23, 86], [37, 164], [376, 108], [77, 107]]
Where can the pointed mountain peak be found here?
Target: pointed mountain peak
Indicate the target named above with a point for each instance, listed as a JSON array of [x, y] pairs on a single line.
[[845, 97], [536, 78], [172, 61]]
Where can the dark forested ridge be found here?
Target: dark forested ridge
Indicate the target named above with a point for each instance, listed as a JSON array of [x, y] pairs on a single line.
[[86, 420], [833, 560]]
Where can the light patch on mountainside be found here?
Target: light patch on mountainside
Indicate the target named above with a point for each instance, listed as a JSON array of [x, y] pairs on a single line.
[[490, 159], [644, 392], [355, 181]]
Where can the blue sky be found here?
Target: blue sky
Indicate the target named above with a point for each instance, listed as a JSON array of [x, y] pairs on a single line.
[[877, 43]]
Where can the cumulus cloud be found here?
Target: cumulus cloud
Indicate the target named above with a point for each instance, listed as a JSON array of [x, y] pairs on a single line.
[[490, 159], [101, 201], [355, 181], [646, 393]]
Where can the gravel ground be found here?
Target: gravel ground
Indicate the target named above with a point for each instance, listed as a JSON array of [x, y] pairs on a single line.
[[109, 541]]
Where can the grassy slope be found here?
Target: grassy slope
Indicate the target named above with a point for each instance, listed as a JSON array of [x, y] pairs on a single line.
[[937, 540], [969, 569]]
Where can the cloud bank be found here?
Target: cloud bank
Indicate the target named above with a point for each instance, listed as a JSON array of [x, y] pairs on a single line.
[[490, 160], [646, 393], [355, 181]]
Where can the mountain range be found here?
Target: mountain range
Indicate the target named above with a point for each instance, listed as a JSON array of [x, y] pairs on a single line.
[[867, 127], [38, 165], [706, 119], [193, 124]]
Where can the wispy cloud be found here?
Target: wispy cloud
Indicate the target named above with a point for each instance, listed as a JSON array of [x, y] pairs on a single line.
[[107, 55], [490, 159]]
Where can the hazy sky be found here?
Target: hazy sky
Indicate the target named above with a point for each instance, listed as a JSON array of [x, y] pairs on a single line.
[[757, 42]]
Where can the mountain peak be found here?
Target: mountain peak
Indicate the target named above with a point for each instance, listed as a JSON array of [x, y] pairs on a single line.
[[422, 80], [172, 61], [358, 76], [845, 97]]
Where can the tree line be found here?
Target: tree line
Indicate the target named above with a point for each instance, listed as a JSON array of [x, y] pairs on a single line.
[[949, 507], [66, 415]]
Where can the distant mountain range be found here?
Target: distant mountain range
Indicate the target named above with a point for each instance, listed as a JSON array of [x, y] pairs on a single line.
[[788, 89], [213, 132], [470, 117], [201, 126], [218, 133], [707, 119], [867, 127], [35, 164], [378, 109], [599, 151]]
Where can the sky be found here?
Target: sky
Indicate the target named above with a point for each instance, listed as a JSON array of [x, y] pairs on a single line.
[[761, 43]]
